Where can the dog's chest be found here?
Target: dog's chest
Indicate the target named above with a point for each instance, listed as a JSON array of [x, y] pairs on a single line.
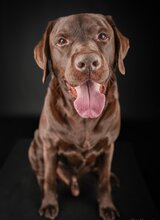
[[79, 158], [85, 148]]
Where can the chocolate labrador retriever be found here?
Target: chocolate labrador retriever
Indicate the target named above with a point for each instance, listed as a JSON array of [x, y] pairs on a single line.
[[80, 120]]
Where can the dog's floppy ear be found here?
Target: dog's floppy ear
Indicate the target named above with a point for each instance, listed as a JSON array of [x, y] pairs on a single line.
[[42, 52], [122, 45]]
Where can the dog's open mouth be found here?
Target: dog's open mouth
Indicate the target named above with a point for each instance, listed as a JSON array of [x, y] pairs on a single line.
[[89, 98]]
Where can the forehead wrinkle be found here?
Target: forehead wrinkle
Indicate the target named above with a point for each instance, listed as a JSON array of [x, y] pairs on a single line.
[[95, 19], [66, 24]]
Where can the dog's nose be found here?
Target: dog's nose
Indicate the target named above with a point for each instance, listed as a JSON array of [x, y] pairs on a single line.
[[87, 62]]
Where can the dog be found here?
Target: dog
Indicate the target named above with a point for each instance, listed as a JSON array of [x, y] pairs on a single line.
[[80, 120]]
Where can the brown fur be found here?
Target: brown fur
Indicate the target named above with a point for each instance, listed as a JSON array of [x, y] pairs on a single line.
[[62, 134]]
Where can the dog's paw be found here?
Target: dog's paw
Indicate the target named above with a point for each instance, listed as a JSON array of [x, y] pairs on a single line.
[[49, 210], [75, 187], [109, 213]]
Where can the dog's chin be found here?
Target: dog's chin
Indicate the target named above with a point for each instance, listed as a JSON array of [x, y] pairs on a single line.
[[89, 98]]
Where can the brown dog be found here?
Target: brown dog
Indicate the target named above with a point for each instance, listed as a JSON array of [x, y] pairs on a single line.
[[80, 120]]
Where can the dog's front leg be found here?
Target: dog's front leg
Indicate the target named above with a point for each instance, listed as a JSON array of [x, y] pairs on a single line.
[[49, 206], [106, 206]]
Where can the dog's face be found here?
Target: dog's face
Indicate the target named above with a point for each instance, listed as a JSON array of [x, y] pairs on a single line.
[[83, 45], [82, 50]]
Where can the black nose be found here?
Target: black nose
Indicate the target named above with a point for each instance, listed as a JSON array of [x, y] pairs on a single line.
[[87, 62]]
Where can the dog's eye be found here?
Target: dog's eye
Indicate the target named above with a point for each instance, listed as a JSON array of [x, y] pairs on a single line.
[[102, 37], [62, 41]]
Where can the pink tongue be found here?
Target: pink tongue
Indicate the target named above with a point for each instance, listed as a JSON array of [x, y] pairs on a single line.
[[89, 102]]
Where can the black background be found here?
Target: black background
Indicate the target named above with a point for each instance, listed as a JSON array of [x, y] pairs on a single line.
[[22, 93]]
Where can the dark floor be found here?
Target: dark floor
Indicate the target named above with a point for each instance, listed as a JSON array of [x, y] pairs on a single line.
[[142, 135], [20, 194]]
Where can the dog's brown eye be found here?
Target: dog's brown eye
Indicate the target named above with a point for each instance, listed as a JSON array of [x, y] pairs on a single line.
[[62, 41], [102, 36]]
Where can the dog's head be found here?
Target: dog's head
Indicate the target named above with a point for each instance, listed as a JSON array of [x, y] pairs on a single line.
[[82, 50]]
